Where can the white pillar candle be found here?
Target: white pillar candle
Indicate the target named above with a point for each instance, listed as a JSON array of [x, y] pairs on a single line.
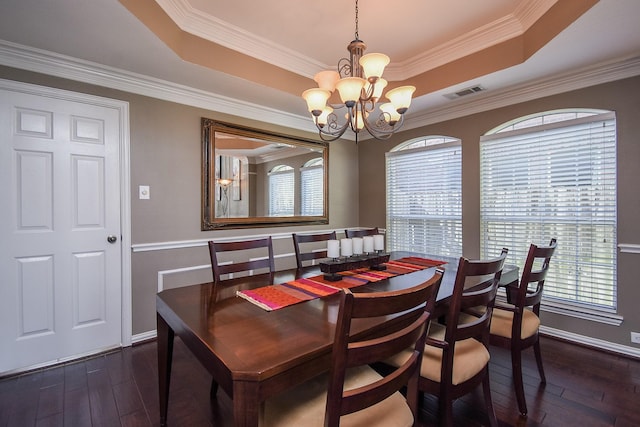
[[357, 245], [346, 246], [378, 242], [333, 248], [367, 242]]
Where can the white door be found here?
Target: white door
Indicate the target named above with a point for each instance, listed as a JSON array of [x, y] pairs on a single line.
[[60, 289]]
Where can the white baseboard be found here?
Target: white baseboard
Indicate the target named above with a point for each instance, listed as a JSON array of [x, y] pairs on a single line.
[[145, 336], [595, 343]]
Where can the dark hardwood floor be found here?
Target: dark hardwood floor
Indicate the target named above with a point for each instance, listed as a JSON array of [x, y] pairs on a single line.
[[585, 388]]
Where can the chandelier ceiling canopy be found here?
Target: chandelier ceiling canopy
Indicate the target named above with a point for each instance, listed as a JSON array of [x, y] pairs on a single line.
[[360, 85]]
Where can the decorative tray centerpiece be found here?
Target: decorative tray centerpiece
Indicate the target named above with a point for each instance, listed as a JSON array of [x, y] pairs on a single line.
[[332, 267]]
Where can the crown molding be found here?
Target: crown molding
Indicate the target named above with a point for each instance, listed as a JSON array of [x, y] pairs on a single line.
[[54, 64], [474, 41], [529, 11], [208, 27], [40, 61], [552, 85]]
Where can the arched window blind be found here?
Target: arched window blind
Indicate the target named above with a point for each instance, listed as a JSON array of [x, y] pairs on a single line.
[[312, 188], [556, 180], [424, 197], [281, 191]]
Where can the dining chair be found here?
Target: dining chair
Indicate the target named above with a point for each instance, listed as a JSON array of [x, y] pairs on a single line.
[[300, 241], [352, 393], [263, 248], [265, 260], [360, 233], [456, 356], [515, 326]]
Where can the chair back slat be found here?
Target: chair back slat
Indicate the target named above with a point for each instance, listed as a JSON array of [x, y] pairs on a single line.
[[301, 240], [405, 327], [264, 261], [361, 233]]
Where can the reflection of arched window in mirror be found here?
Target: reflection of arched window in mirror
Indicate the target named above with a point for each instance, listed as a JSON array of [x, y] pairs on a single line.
[[312, 188], [281, 191]]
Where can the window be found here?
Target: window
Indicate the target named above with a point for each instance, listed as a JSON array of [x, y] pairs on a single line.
[[424, 196], [312, 188], [281, 193], [554, 175]]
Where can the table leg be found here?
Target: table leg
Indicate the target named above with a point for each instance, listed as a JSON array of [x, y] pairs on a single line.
[[165, 355], [246, 404]]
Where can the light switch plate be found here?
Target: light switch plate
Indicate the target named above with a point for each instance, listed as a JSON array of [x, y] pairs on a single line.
[[635, 337], [144, 192]]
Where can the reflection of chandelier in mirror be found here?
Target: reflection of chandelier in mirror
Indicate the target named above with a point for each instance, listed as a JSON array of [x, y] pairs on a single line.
[[360, 84], [224, 182]]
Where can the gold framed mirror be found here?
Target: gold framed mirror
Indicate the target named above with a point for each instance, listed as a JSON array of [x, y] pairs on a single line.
[[254, 178]]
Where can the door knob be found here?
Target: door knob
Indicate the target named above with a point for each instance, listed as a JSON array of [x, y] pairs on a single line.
[[112, 239]]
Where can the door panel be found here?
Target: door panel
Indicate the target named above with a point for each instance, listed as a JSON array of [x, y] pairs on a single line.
[[35, 301], [35, 192]]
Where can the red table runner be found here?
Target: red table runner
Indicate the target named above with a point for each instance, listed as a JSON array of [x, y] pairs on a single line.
[[274, 297]]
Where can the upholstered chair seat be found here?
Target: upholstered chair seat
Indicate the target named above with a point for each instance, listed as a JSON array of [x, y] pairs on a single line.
[[305, 405], [502, 322], [470, 357]]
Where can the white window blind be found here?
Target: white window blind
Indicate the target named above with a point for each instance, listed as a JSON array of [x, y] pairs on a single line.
[[556, 180], [312, 188], [281, 191], [424, 199]]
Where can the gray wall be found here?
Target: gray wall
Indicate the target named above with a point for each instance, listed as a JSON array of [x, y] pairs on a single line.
[[623, 97], [165, 154]]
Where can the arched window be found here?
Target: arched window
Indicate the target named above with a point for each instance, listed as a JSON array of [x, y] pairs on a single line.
[[424, 196], [312, 188], [281, 191], [548, 175]]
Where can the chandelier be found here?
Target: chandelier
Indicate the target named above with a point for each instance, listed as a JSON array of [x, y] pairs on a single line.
[[360, 84]]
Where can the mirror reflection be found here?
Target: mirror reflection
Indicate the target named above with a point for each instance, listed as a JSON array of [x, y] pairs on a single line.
[[255, 178]]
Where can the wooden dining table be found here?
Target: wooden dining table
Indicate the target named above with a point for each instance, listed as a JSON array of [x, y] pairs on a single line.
[[253, 353]]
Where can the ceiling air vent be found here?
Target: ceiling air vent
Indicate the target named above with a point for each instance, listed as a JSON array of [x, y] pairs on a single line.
[[464, 92]]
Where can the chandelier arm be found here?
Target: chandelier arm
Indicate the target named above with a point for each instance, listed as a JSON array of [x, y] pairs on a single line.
[[367, 105], [323, 136], [379, 132], [345, 68], [331, 131]]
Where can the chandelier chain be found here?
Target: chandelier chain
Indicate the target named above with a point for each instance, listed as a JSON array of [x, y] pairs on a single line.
[[357, 35]]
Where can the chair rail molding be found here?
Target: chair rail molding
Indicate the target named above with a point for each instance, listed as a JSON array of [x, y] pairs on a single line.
[[631, 248]]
